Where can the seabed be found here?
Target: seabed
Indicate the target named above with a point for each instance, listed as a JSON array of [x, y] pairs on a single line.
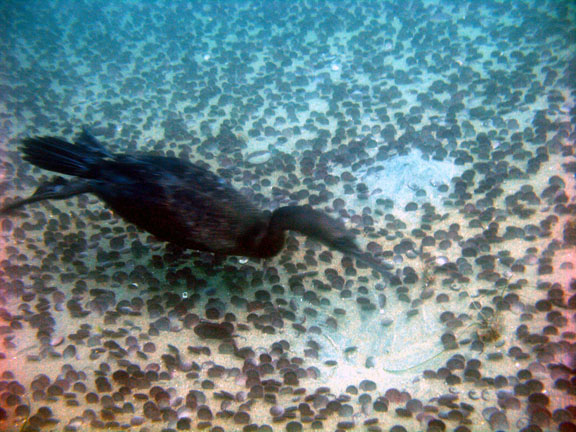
[[442, 133]]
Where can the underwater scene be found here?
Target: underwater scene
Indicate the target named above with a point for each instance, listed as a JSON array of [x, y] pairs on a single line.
[[287, 215]]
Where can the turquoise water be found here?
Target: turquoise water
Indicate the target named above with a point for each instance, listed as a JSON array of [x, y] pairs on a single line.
[[440, 133]]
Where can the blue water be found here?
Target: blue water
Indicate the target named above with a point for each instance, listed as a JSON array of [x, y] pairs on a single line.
[[441, 133]]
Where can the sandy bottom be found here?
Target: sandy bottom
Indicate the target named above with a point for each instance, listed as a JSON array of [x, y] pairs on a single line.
[[104, 328]]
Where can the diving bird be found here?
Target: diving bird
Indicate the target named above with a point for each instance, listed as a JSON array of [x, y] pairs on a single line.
[[178, 201]]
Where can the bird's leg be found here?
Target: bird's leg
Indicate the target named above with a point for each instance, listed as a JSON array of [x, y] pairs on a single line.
[[218, 259], [56, 188], [266, 266]]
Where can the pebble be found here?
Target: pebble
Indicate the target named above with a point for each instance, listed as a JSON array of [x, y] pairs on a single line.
[[76, 257], [258, 157], [69, 352], [213, 330]]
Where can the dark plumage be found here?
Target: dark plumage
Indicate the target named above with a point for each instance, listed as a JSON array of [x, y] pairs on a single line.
[[177, 201]]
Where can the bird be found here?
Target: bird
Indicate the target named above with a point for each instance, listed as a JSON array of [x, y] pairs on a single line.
[[178, 201]]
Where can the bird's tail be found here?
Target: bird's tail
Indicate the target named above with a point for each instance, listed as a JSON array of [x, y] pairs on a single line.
[[80, 159]]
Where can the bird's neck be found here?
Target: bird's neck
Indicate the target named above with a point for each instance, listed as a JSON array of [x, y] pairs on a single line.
[[314, 224], [262, 239], [321, 227]]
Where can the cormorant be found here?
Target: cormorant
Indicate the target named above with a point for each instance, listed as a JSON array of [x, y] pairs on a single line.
[[178, 201]]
